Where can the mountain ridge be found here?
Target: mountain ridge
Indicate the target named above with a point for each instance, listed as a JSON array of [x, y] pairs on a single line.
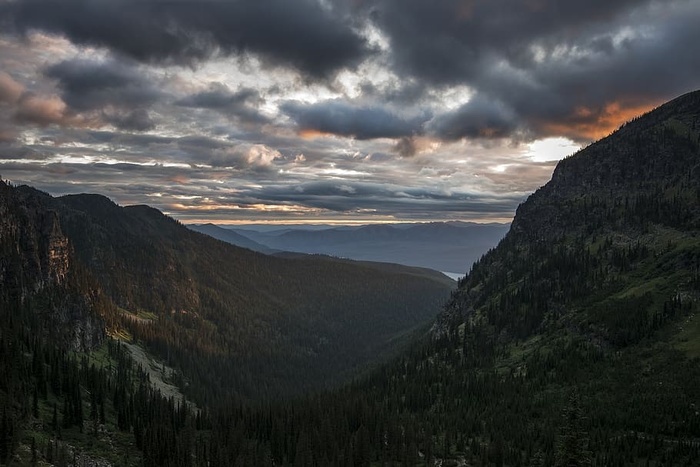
[[594, 292], [441, 246], [570, 205], [230, 236], [192, 286], [575, 341]]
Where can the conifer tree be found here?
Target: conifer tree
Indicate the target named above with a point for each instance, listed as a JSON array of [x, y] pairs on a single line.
[[572, 443]]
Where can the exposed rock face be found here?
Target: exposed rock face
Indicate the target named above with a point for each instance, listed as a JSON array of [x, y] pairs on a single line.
[[38, 271], [57, 250]]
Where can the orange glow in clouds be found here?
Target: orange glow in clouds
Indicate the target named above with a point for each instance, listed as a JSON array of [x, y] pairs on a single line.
[[592, 124], [310, 133], [179, 179]]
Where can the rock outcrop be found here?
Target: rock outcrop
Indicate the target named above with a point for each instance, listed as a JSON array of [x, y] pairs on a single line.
[[38, 272]]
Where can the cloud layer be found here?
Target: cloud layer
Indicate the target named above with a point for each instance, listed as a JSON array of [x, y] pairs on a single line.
[[375, 110], [300, 34]]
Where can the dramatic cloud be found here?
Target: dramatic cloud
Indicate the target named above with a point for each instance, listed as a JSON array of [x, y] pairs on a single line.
[[137, 120], [547, 60], [313, 110], [478, 118], [89, 85], [241, 104], [448, 42], [341, 118], [299, 34]]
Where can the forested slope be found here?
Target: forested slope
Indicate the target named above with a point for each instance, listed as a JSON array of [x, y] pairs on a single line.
[[575, 342], [234, 322]]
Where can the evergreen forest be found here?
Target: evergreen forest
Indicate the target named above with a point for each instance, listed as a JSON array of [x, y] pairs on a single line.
[[574, 342]]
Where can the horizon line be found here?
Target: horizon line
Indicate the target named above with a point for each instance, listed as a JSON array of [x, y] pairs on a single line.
[[332, 222]]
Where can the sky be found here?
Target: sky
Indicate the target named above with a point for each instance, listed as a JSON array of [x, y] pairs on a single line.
[[326, 111]]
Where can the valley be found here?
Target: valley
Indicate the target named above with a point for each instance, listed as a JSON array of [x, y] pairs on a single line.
[[573, 341], [442, 246]]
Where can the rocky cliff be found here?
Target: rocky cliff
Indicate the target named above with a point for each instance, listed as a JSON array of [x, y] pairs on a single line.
[[39, 273]]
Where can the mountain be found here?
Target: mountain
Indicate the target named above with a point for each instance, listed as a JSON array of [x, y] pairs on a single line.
[[38, 269], [450, 247], [230, 236], [230, 321], [576, 341], [616, 216]]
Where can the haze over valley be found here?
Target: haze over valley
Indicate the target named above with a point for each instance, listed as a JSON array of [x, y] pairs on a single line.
[[446, 247]]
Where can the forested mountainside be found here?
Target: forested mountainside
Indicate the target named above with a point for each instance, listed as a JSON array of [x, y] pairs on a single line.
[[576, 341], [234, 322]]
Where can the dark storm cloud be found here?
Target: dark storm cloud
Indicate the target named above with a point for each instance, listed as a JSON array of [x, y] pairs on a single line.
[[341, 118], [137, 120], [587, 98], [405, 92], [299, 34], [241, 104], [90, 84], [478, 118], [219, 97], [384, 199], [200, 149], [577, 69], [447, 41]]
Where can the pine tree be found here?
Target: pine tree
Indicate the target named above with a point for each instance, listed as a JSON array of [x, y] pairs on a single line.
[[572, 443], [6, 436]]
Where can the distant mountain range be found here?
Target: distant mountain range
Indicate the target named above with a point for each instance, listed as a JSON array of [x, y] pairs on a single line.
[[231, 236], [443, 246], [574, 342]]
